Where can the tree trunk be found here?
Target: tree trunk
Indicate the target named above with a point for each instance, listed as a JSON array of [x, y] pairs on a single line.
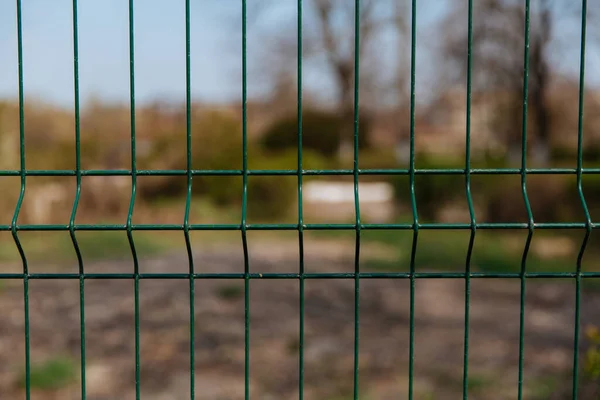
[[540, 75], [346, 109]]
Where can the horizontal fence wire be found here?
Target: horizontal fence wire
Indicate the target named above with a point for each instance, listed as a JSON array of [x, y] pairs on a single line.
[[306, 172], [473, 226], [307, 275], [294, 227]]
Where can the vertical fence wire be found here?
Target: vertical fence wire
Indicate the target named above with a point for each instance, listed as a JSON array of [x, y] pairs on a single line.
[[588, 219], [129, 227], [413, 201], [356, 197], [525, 199], [244, 224], [300, 214], [469, 201], [188, 199], [77, 196], [19, 204]]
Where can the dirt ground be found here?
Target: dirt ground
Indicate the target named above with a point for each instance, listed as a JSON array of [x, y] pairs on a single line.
[[274, 327]]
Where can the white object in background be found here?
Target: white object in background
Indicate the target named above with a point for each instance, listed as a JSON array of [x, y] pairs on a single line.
[[343, 192]]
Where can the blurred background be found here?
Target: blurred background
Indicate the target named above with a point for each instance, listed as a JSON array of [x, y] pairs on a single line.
[[328, 54]]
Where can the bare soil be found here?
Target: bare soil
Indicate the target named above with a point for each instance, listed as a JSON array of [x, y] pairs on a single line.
[[273, 332]]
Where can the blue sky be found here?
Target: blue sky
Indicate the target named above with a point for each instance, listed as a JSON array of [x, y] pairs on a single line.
[[159, 49], [104, 49]]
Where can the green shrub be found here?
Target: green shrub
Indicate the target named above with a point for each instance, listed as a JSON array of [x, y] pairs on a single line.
[[378, 159], [432, 192], [590, 184], [551, 199], [268, 196], [287, 159], [590, 153], [321, 132], [61, 154], [271, 193], [272, 196], [216, 145]]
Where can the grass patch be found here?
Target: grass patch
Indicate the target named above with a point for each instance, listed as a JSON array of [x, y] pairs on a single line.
[[54, 373], [478, 383], [348, 397], [230, 292], [446, 250], [113, 244], [543, 388], [428, 396], [94, 245]]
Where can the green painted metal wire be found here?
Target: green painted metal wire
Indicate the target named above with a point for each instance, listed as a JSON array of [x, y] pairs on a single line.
[[77, 196], [470, 203], [13, 227], [588, 219], [356, 198], [526, 200], [188, 199], [307, 172], [413, 201], [330, 275], [294, 227], [136, 278], [300, 215], [244, 225], [300, 226]]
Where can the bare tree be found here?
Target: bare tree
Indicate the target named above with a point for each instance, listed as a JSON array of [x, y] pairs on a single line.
[[340, 51], [329, 46], [498, 50], [401, 22]]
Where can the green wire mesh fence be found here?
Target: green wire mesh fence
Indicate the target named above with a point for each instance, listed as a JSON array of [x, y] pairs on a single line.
[[300, 226]]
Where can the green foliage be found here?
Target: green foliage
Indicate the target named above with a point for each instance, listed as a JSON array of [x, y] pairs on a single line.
[[590, 184], [60, 154], [54, 373], [271, 196], [286, 159], [268, 196], [217, 138], [321, 132], [218, 142], [111, 244], [552, 199], [590, 153], [378, 159], [443, 250], [431, 191], [94, 245], [544, 387], [592, 356], [217, 145]]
